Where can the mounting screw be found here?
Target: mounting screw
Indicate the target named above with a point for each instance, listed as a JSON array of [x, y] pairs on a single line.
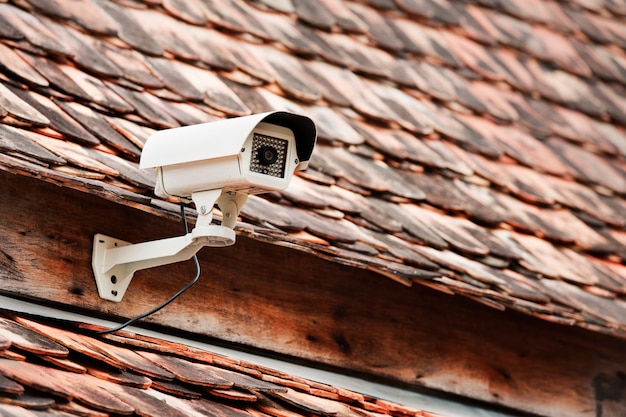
[[203, 210], [113, 279], [114, 293]]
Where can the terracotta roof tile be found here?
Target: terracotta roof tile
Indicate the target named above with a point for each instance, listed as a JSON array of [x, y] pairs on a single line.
[[86, 51], [136, 68], [602, 62], [425, 41], [145, 106], [13, 63], [474, 56], [215, 93], [29, 340], [554, 47], [380, 28], [9, 30], [450, 154], [475, 147], [20, 111], [437, 12], [361, 57], [59, 120], [290, 76], [567, 89], [73, 153], [33, 30], [96, 91], [13, 141], [130, 31], [589, 166], [612, 99], [99, 128], [173, 79]]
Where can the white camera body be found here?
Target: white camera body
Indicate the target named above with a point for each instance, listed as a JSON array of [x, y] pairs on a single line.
[[251, 155]]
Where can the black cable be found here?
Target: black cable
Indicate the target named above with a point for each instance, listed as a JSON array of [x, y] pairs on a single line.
[[172, 298]]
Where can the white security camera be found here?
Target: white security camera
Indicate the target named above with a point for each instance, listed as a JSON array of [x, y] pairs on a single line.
[[218, 162], [251, 155]]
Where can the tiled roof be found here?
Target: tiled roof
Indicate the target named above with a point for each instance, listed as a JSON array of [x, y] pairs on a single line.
[[477, 147], [53, 368]]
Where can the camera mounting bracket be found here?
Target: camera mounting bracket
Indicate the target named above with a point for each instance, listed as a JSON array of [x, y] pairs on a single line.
[[115, 261]]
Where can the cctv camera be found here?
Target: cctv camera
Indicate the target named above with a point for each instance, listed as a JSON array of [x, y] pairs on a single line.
[[251, 154], [219, 162]]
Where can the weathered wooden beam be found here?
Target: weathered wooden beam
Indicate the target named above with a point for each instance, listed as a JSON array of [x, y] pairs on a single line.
[[288, 302]]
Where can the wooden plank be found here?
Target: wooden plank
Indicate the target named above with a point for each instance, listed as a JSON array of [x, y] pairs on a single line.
[[292, 303]]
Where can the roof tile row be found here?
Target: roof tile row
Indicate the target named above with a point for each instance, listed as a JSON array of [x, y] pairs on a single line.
[[50, 368]]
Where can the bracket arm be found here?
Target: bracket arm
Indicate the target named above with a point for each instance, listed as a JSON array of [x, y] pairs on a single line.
[[114, 261]]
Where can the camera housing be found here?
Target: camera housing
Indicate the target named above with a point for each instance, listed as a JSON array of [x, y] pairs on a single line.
[[251, 154], [218, 162]]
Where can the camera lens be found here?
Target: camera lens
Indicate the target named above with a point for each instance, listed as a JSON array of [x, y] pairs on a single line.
[[267, 155]]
